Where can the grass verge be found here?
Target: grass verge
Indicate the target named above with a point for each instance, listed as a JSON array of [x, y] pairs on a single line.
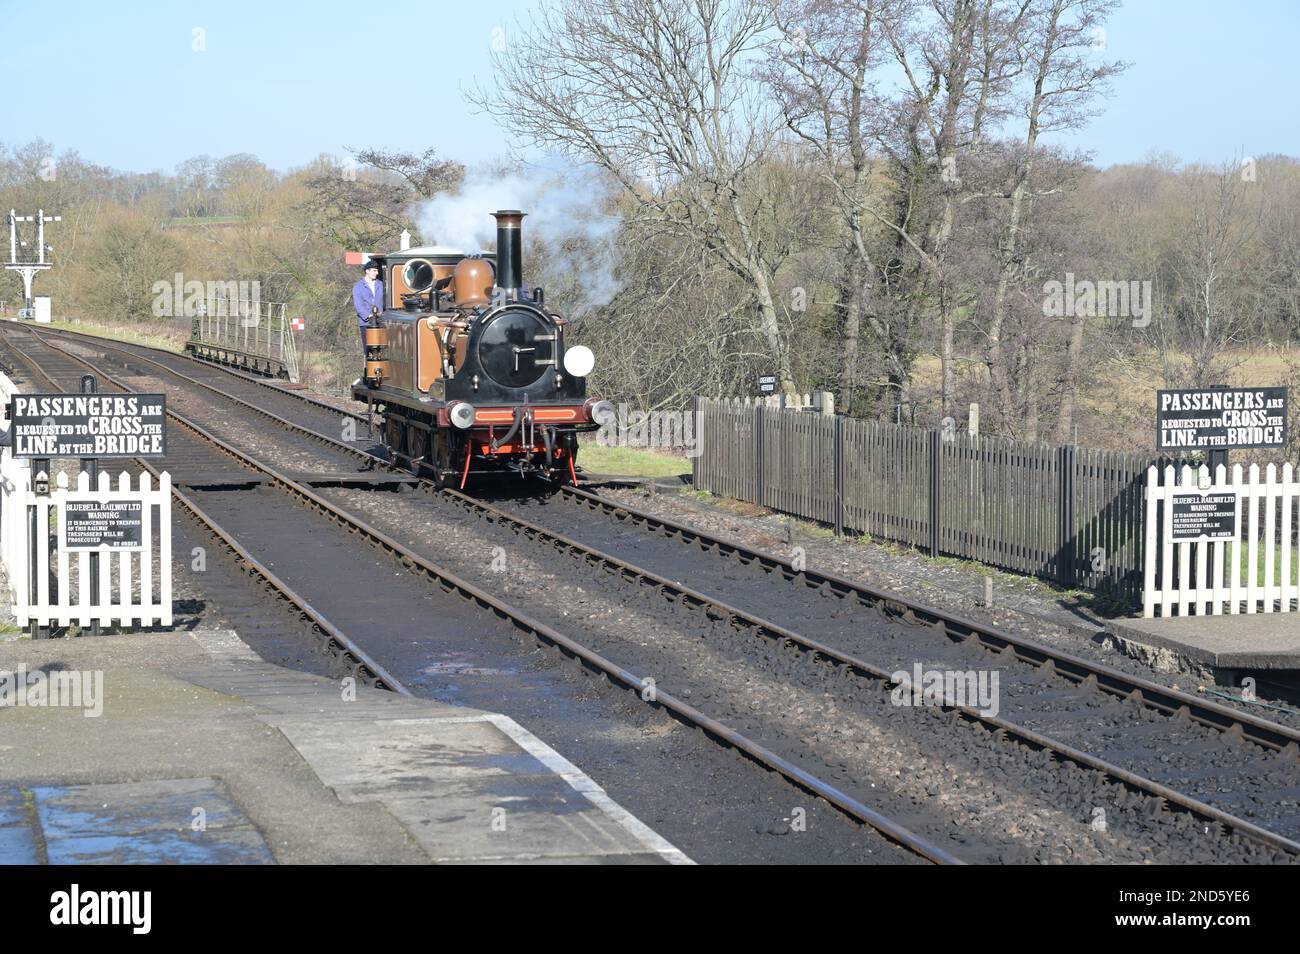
[[630, 461]]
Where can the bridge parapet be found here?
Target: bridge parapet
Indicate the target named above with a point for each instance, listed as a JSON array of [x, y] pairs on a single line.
[[245, 333]]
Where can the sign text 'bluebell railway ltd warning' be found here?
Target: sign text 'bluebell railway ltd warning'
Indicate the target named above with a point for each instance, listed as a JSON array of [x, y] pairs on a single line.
[[1203, 516], [88, 425], [1221, 418], [92, 525]]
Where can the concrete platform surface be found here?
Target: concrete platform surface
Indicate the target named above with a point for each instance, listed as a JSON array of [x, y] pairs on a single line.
[[187, 748], [1244, 641]]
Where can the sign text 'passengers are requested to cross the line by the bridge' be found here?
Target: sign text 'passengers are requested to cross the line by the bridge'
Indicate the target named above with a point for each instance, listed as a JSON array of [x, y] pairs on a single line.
[[1221, 418], [88, 425]]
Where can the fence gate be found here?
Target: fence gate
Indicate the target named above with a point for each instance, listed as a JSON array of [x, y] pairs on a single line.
[[50, 542], [1226, 545]]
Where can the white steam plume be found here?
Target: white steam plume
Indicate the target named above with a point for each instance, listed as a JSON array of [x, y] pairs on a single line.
[[565, 214]]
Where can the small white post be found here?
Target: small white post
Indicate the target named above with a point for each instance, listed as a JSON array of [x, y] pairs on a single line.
[[1288, 490], [1234, 556], [1252, 543], [1270, 495], [1167, 583], [1149, 556]]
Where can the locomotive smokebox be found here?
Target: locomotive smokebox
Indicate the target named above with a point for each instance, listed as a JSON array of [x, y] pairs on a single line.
[[510, 244]]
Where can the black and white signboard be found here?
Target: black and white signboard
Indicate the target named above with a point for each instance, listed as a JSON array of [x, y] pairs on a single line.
[[96, 525], [1221, 418], [1203, 516], [89, 425], [767, 384]]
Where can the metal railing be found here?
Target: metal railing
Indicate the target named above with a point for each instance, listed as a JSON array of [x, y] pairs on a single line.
[[254, 335]]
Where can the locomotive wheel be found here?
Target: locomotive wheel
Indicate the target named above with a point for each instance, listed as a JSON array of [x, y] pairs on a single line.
[[416, 441], [442, 467], [393, 438]]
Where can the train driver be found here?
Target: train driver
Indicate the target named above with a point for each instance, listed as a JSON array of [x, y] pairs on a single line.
[[367, 295]]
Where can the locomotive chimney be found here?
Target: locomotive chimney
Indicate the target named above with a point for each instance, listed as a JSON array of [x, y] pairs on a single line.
[[510, 263]]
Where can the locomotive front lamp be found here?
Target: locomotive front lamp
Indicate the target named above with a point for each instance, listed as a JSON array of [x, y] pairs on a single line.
[[461, 414], [579, 361]]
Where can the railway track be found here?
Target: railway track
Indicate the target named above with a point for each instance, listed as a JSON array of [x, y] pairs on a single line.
[[202, 464], [939, 632], [208, 467], [1104, 678]]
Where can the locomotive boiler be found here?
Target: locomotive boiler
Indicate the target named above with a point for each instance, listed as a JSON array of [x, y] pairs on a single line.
[[469, 370]]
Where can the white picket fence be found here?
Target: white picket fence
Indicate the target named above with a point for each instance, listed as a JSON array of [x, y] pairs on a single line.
[[134, 585], [1251, 572]]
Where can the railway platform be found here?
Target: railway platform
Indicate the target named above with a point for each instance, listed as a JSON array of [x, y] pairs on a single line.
[[1215, 646], [187, 747]]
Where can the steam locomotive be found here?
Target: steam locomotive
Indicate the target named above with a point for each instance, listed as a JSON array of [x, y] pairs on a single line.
[[470, 373]]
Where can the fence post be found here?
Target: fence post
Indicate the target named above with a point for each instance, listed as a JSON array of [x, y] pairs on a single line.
[[758, 454], [33, 599], [696, 429], [839, 475], [936, 488], [1065, 556], [38, 535], [90, 385]]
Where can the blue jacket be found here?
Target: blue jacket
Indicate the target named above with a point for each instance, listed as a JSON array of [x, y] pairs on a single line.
[[364, 301]]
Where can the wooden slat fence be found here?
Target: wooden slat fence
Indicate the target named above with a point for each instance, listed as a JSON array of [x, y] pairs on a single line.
[[1065, 513], [886, 475]]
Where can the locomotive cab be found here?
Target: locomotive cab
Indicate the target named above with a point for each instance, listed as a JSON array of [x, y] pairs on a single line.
[[470, 371]]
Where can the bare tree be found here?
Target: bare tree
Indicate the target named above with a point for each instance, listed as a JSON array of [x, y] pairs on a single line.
[[661, 95], [821, 69], [1213, 241], [195, 186], [360, 207], [896, 158], [1279, 179], [952, 54], [1056, 41], [425, 173], [126, 257]]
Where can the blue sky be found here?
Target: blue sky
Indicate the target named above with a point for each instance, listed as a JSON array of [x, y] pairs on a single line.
[[122, 83]]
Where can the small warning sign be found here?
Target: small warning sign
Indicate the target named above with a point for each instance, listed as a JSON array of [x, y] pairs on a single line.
[[1208, 516], [92, 525]]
